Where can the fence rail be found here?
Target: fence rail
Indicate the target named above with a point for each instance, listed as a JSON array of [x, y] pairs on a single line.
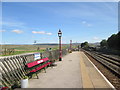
[[12, 68]]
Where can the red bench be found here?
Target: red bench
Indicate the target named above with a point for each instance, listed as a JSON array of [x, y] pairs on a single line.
[[4, 88], [38, 65]]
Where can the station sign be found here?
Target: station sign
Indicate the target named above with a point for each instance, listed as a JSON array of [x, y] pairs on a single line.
[[37, 56]]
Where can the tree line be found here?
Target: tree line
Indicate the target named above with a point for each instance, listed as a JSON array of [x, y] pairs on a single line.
[[113, 42], [85, 45]]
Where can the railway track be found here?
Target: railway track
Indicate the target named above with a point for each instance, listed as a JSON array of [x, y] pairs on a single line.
[[113, 64]]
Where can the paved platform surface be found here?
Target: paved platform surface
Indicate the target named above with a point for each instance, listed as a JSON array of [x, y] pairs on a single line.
[[75, 71]]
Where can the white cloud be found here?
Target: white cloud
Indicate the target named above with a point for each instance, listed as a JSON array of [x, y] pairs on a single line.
[[2, 30], [12, 24], [17, 31], [83, 22], [38, 32], [95, 38], [86, 23], [89, 25], [41, 32], [49, 33]]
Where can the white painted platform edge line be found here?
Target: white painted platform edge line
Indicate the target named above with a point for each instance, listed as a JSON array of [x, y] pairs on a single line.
[[101, 74]]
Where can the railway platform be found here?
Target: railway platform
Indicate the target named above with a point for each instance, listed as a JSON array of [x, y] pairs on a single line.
[[74, 71]]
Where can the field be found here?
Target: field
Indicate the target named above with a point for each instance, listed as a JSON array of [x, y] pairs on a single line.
[[19, 49], [28, 47]]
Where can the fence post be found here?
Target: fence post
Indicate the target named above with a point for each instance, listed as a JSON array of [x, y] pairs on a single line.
[[41, 55]]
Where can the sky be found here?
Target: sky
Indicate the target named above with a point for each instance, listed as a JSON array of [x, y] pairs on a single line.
[[24, 22]]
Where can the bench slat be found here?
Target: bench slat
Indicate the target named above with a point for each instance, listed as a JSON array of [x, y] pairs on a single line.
[[37, 62], [38, 68]]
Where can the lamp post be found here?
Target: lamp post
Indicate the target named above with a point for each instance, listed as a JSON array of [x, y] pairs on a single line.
[[60, 46]]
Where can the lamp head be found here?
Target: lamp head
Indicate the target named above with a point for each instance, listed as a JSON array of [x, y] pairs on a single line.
[[59, 33]]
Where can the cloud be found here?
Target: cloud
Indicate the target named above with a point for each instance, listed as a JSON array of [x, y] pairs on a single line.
[[12, 24], [86, 23], [38, 32], [95, 38], [17, 31], [49, 33], [83, 22], [89, 25], [41, 32], [2, 30]]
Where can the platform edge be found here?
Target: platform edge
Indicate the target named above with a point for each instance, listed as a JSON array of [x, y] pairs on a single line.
[[101, 74]]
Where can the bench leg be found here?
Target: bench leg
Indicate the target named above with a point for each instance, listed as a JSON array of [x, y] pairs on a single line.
[[51, 65], [37, 76], [45, 70]]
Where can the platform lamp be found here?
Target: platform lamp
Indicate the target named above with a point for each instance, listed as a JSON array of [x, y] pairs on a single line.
[[60, 46]]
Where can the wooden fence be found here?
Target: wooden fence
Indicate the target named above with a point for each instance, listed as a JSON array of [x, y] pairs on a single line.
[[12, 68]]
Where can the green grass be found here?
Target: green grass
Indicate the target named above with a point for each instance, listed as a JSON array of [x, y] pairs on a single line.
[[22, 52], [21, 49], [28, 47]]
